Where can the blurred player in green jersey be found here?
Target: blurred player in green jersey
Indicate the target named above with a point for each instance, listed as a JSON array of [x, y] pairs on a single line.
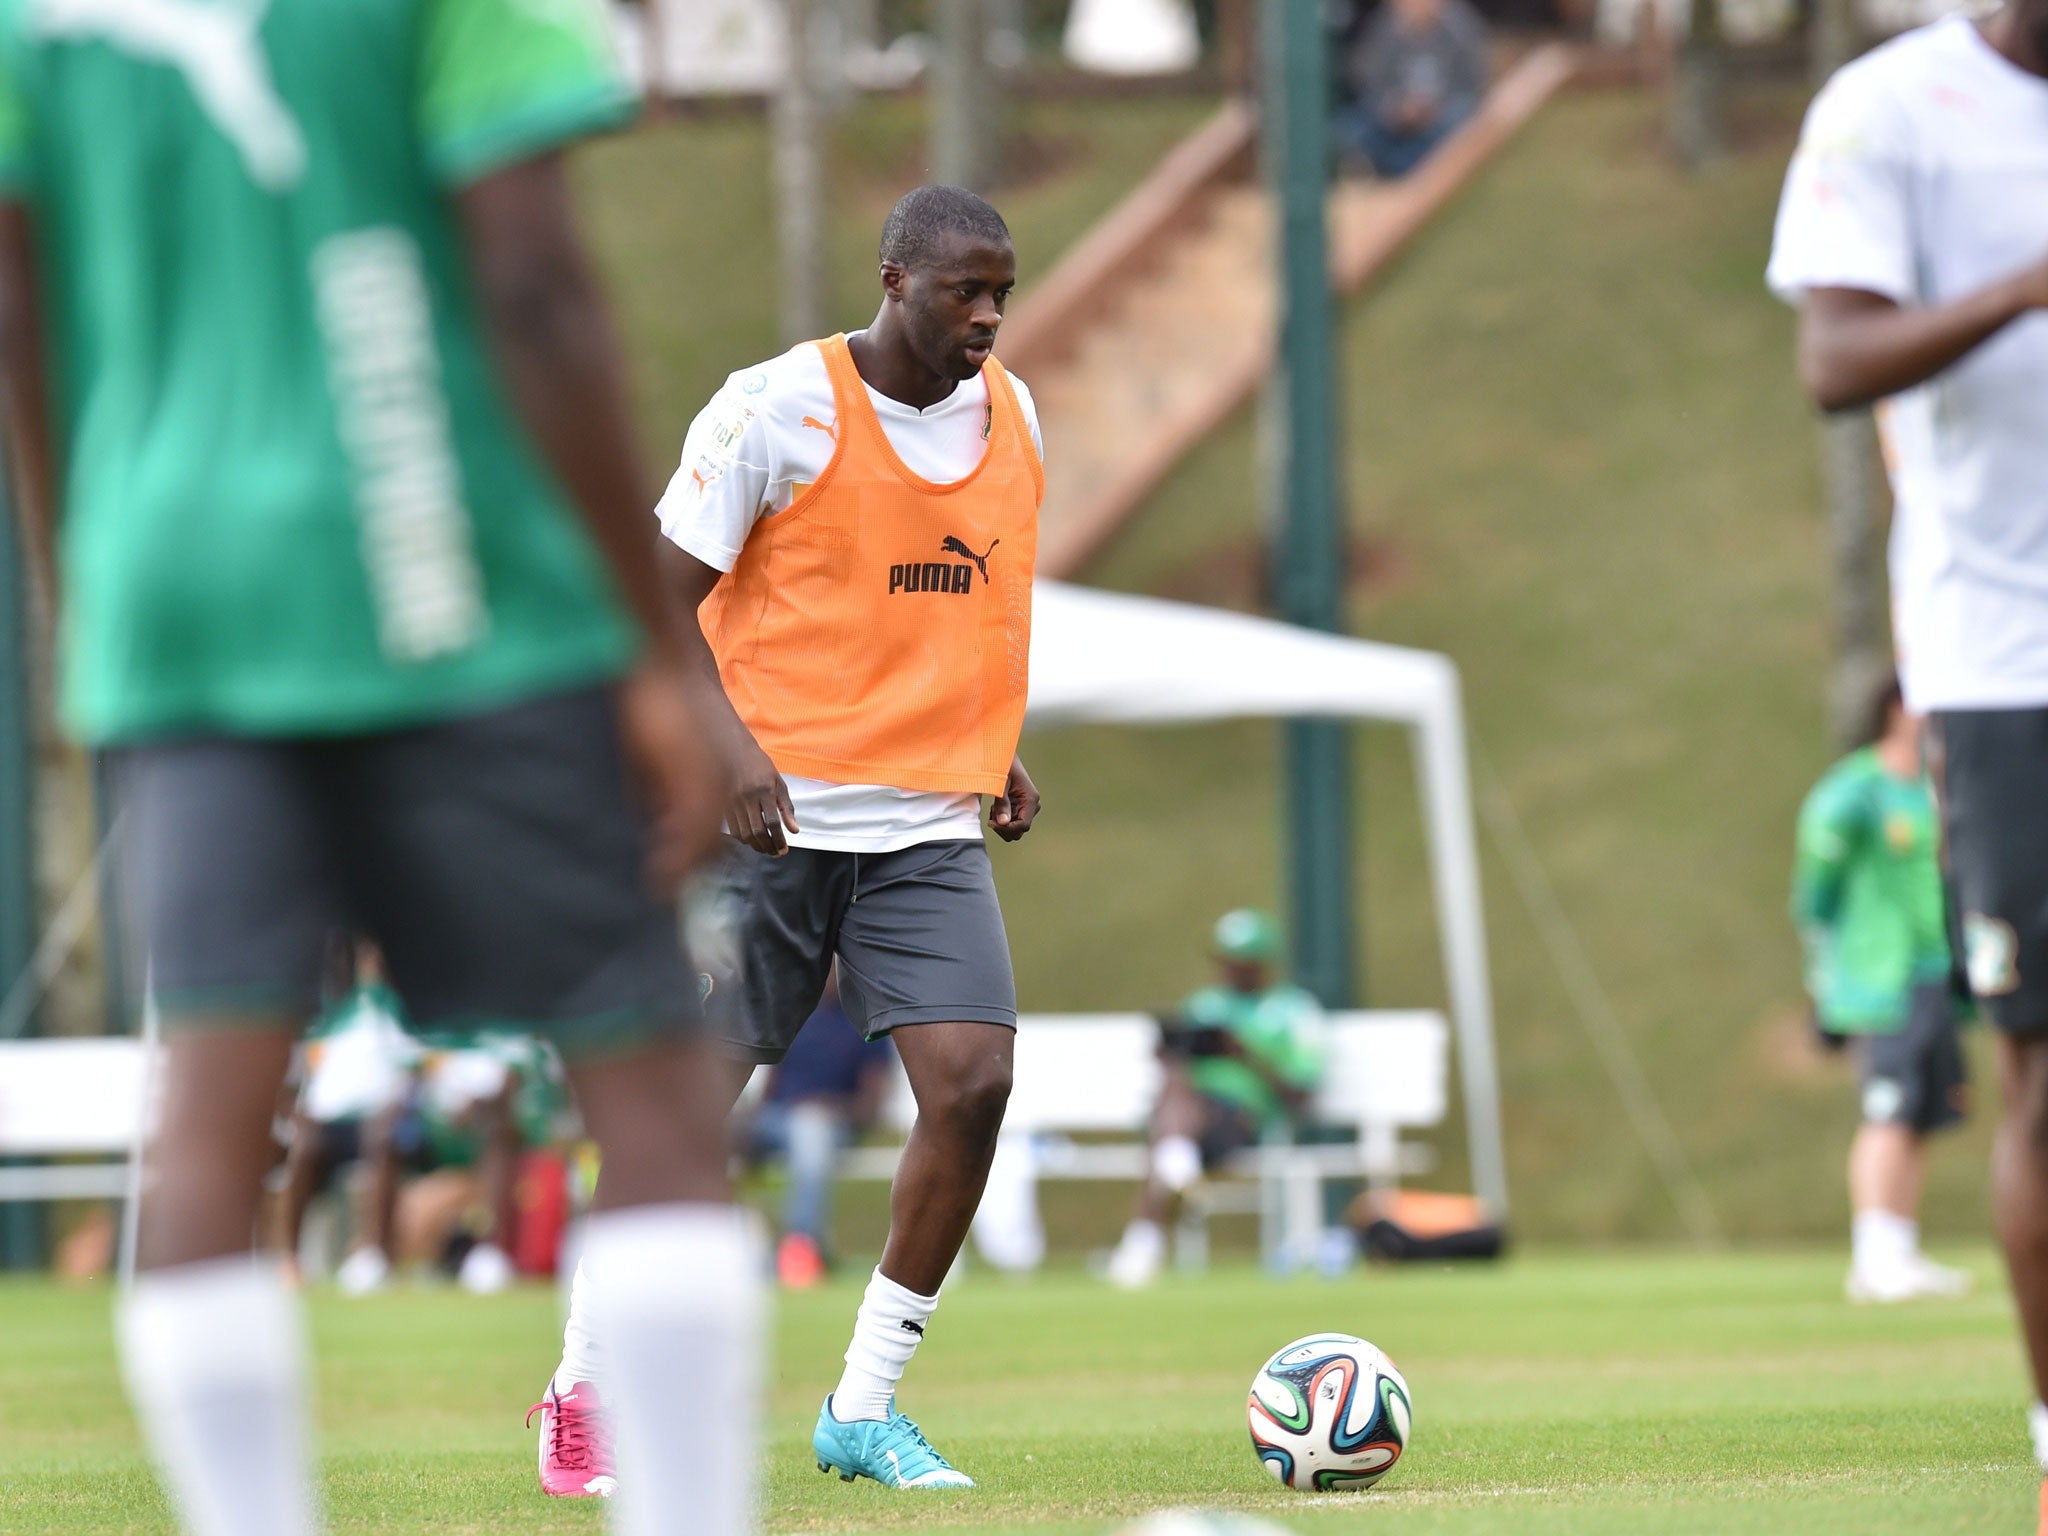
[[1867, 896], [1241, 1058], [310, 386]]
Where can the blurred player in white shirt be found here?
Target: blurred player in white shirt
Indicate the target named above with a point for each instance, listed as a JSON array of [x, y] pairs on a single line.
[[1913, 236]]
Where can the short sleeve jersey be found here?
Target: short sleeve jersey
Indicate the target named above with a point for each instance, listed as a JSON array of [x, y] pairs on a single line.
[[296, 499], [1922, 176], [760, 442], [1867, 893], [358, 1058], [1281, 1028]]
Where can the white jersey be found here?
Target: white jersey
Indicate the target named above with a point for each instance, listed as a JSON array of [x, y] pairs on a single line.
[[1922, 175], [762, 441], [362, 1068]]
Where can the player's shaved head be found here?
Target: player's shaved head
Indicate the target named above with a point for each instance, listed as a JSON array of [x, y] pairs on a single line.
[[917, 229], [947, 270]]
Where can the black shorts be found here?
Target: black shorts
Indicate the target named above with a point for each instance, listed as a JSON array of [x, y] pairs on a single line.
[[918, 934], [1226, 1131], [499, 860], [342, 1142], [1991, 766], [1916, 1077]]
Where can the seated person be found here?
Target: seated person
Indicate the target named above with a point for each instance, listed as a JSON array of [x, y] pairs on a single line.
[[821, 1096], [355, 1071], [481, 1099], [373, 1094], [1415, 74], [1241, 1059]]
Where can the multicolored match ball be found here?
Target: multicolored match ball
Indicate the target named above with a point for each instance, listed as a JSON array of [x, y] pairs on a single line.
[[1329, 1411]]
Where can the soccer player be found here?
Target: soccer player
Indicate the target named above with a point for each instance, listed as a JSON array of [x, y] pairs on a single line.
[[1867, 896], [1913, 236], [854, 524], [1241, 1059], [357, 589]]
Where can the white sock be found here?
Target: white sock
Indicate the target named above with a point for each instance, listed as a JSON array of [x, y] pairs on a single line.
[[215, 1358], [1177, 1163], [1139, 1256], [675, 1308], [1144, 1238], [579, 1345], [2037, 1425], [886, 1332], [1881, 1241]]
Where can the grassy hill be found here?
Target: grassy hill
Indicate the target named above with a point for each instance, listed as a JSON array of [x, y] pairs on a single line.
[[1578, 463], [683, 217]]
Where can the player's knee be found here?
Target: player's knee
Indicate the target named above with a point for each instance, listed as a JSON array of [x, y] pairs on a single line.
[[378, 1136], [1177, 1163], [974, 1101], [494, 1122]]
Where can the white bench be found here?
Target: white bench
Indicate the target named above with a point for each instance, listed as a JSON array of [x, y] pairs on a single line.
[[1085, 1075], [73, 1099], [1096, 1075]]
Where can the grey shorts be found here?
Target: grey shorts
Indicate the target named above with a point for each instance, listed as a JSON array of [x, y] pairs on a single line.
[[498, 859], [1992, 769], [918, 934], [1916, 1076]]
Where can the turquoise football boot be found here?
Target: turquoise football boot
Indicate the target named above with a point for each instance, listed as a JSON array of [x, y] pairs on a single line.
[[892, 1451]]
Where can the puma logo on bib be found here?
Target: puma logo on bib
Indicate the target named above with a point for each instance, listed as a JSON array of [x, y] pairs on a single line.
[[942, 575]]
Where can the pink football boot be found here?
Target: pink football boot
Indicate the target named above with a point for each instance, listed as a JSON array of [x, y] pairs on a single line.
[[575, 1451]]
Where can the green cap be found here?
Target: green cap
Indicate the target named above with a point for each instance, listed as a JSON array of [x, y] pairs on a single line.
[[1247, 934]]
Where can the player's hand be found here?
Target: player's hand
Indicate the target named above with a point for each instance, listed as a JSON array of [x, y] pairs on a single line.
[[759, 810], [1011, 815], [664, 739]]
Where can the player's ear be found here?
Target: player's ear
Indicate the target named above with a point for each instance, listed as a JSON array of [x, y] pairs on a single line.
[[895, 279]]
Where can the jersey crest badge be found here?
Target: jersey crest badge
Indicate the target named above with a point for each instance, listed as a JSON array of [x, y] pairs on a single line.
[[1898, 833]]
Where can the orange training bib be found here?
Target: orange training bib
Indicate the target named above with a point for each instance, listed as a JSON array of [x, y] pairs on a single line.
[[878, 630]]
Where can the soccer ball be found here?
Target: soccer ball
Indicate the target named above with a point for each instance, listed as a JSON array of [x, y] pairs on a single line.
[[1196, 1522], [1329, 1411]]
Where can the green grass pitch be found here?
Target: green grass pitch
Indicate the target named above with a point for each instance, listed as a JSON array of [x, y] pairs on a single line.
[[1622, 1393]]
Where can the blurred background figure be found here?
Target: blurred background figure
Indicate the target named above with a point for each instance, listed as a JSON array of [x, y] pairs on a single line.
[[819, 1099], [1132, 37], [355, 1071], [1867, 896], [1413, 76], [1009, 1229], [1241, 1058], [457, 1109], [482, 1099]]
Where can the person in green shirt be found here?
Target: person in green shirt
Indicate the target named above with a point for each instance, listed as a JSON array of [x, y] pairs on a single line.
[[324, 459], [1241, 1059], [1868, 899], [373, 1095]]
